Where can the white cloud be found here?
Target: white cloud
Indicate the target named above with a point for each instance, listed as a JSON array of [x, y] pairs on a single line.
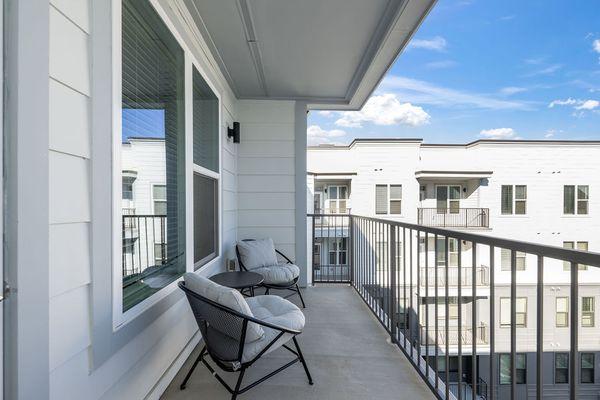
[[580, 105], [325, 113], [588, 105], [317, 135], [499, 133], [422, 92], [567, 102], [549, 70], [384, 109], [510, 90], [437, 43], [596, 45], [441, 64]]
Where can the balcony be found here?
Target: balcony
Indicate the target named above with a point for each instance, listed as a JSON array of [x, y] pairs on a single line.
[[347, 350], [454, 217], [386, 264]]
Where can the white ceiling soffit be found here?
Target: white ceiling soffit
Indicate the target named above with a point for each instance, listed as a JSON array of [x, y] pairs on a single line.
[[330, 53]]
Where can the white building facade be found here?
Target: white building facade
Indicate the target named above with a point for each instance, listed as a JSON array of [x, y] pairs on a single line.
[[534, 191]]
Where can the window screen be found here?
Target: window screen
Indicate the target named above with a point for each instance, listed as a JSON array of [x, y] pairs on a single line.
[[507, 199], [395, 199], [205, 219], [153, 126], [206, 124], [569, 200]]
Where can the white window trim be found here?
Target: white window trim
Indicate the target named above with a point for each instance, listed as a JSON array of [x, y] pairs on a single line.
[[514, 201], [120, 318], [448, 186], [152, 199]]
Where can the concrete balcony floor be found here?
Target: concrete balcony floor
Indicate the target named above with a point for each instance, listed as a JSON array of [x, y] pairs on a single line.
[[347, 351]]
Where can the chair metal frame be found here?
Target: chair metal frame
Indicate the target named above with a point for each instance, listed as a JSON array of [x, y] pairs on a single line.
[[291, 286], [237, 364]]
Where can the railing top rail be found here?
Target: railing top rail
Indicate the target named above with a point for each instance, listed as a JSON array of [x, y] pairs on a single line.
[[449, 208], [143, 216], [559, 253]]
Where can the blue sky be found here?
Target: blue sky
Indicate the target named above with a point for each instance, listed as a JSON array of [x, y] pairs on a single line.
[[486, 69]]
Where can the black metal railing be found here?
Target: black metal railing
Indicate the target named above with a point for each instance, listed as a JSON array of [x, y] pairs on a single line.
[[384, 266], [454, 217], [144, 243]]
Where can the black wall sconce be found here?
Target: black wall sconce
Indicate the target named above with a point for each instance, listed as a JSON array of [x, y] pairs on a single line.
[[234, 132]]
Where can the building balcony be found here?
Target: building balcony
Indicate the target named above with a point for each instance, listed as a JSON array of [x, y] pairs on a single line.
[[465, 334], [454, 217]]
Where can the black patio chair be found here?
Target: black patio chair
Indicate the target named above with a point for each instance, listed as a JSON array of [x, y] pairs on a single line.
[[224, 333], [291, 285]]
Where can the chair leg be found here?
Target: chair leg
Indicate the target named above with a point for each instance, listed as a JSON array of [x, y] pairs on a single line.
[[238, 384], [187, 377], [267, 291], [310, 381], [300, 294]]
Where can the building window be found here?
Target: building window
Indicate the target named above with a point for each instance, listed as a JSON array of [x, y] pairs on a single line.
[[159, 200], [448, 199], [505, 368], [388, 199], [338, 199], [127, 189], [505, 263], [452, 253], [561, 368], [582, 246], [562, 312], [587, 312], [587, 367], [514, 199], [338, 249], [159, 253], [205, 129], [381, 199], [576, 199], [521, 318], [153, 116], [395, 199]]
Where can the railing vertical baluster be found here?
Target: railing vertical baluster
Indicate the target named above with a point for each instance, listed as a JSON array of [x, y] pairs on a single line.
[[393, 267], [139, 243], [426, 303], [436, 295], [404, 311], [459, 301], [540, 328], [418, 320], [474, 320], [411, 326], [351, 244], [492, 325], [574, 356], [513, 324], [314, 244], [123, 253], [446, 321]]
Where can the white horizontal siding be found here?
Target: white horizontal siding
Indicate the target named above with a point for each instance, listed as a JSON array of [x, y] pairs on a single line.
[[69, 257], [267, 201], [69, 120], [69, 188]]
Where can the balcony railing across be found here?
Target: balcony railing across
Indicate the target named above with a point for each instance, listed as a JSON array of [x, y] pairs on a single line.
[[144, 244], [454, 217], [386, 262]]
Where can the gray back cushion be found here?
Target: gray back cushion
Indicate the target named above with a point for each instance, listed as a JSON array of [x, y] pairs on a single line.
[[257, 253], [225, 296]]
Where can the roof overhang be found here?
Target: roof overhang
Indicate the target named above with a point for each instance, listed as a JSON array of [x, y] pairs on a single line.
[[334, 176], [331, 54], [453, 174]]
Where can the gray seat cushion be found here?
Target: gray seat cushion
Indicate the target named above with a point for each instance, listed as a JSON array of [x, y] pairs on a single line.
[[257, 253], [227, 297], [279, 274], [275, 310]]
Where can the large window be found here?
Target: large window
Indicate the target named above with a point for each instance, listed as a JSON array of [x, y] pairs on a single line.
[[206, 171], [338, 199], [582, 246], [153, 132], [587, 367], [505, 261], [521, 317], [514, 199], [562, 312], [576, 199], [447, 198], [520, 366], [587, 312], [388, 199], [561, 368]]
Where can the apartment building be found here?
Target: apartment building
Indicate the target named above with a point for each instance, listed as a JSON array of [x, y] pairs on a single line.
[[534, 191]]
